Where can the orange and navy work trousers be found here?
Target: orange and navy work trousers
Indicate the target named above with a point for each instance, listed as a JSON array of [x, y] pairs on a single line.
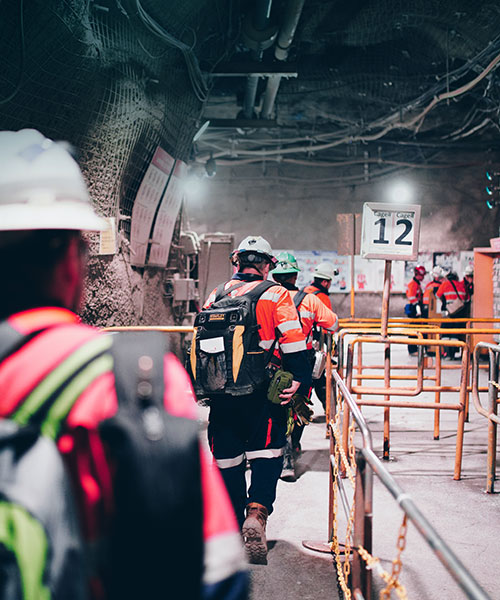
[[249, 429]]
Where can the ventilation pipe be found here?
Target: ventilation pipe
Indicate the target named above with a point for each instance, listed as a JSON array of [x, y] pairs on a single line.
[[258, 35], [285, 38]]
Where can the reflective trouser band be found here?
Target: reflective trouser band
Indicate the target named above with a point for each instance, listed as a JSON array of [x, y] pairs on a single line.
[[228, 463], [268, 453]]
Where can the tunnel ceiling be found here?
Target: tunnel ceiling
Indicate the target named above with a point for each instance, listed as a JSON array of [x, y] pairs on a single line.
[[383, 83], [367, 86]]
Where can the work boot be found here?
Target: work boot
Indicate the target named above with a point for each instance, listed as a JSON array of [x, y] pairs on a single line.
[[254, 533], [288, 470]]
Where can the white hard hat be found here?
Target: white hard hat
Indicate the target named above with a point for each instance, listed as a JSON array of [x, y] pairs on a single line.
[[41, 186], [325, 270], [469, 270], [257, 245], [437, 271]]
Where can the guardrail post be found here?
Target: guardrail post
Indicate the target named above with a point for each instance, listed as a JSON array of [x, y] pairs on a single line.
[[492, 426], [387, 355], [362, 534]]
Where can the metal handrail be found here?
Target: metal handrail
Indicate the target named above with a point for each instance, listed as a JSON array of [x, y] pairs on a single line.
[[475, 379], [450, 561]]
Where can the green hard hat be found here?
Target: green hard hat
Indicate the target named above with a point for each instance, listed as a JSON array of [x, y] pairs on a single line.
[[287, 263]]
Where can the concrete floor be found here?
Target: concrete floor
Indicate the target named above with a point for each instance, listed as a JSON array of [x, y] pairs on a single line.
[[461, 512], [465, 517]]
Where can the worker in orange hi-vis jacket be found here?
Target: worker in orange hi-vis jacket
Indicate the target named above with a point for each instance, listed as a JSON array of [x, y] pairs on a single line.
[[414, 295], [323, 277], [453, 296], [311, 312], [322, 280], [431, 288], [44, 210], [250, 427], [451, 289]]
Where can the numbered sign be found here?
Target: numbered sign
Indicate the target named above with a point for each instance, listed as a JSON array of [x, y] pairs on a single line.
[[390, 232]]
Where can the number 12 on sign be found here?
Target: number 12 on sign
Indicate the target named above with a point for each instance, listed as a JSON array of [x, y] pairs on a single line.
[[390, 232]]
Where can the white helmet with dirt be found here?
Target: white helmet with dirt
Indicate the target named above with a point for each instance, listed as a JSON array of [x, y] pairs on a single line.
[[255, 246], [437, 272], [41, 186], [325, 270], [469, 270]]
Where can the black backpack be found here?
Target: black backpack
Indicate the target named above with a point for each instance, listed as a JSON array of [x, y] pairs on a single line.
[[225, 355], [154, 456]]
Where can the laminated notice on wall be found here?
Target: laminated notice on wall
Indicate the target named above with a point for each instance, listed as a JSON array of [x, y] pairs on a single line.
[[107, 238], [167, 216], [146, 204]]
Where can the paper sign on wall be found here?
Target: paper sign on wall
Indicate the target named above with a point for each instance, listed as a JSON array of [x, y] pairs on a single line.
[[145, 204]]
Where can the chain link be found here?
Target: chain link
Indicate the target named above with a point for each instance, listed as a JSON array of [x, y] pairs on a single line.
[[344, 569]]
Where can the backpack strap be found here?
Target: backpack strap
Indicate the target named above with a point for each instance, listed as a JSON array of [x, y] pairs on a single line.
[[12, 340], [299, 296], [221, 292], [49, 403], [297, 299], [138, 366]]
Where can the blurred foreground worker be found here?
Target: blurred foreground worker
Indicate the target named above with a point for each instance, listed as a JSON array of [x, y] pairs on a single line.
[[311, 312], [44, 207], [252, 426], [322, 281], [414, 295], [431, 288]]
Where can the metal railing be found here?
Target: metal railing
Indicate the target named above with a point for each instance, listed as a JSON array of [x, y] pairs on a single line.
[[368, 463], [491, 412]]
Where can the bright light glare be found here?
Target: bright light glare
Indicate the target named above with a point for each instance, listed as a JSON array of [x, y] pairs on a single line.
[[400, 192], [194, 187]]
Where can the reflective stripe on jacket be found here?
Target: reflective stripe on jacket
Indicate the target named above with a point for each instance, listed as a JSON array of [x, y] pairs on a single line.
[[429, 288], [274, 310], [447, 292], [312, 311], [414, 292], [224, 573]]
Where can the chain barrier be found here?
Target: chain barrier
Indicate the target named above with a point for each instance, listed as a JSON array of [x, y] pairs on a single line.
[[343, 570], [348, 461]]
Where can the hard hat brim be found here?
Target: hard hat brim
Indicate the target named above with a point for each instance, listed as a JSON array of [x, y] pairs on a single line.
[[76, 216]]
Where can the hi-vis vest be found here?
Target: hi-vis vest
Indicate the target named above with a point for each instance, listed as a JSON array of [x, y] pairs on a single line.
[[225, 354]]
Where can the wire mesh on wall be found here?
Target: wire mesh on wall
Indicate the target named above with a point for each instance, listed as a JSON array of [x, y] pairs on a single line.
[[93, 74]]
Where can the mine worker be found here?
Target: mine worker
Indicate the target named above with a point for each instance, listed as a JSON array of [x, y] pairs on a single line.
[[414, 295], [450, 290], [44, 208], [250, 427], [311, 312], [469, 282], [452, 294], [322, 280], [431, 288]]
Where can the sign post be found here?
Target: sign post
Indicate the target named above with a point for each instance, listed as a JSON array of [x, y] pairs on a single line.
[[389, 232]]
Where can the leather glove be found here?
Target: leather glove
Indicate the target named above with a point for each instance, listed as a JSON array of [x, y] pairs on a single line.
[[281, 381], [302, 408], [290, 421]]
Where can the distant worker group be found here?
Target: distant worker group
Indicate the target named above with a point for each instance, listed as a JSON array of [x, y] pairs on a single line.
[[454, 295]]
